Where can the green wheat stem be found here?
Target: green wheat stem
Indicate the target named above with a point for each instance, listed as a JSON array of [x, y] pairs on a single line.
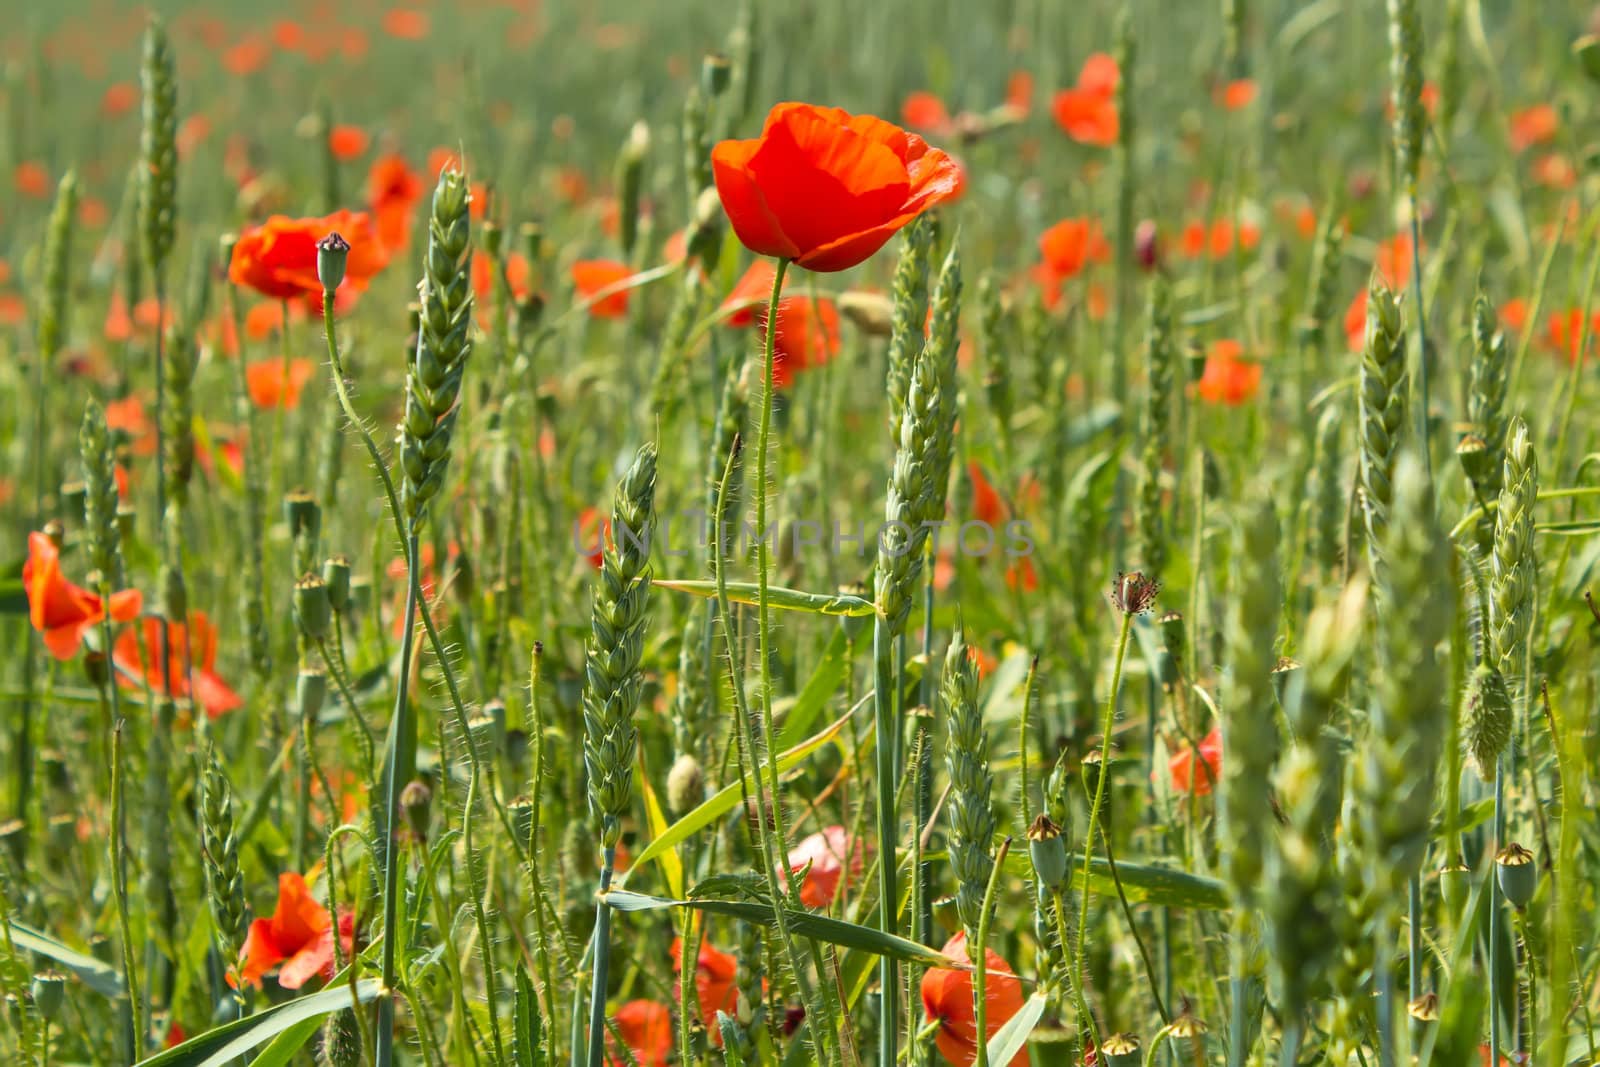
[[980, 957]]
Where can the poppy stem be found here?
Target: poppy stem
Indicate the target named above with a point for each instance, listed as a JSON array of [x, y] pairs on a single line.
[[980, 958], [1422, 337]]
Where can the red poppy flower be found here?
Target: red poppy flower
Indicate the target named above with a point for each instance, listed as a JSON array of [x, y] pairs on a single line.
[[1565, 332], [947, 999], [1186, 778], [31, 179], [193, 652], [592, 525], [1019, 93], [924, 111], [1228, 379], [63, 612], [247, 56], [826, 188], [1064, 250], [1237, 94], [987, 505], [715, 982], [807, 336], [590, 276], [299, 936], [1514, 314], [405, 24], [1393, 261], [1533, 126], [119, 99], [427, 581], [1555, 171], [393, 191], [278, 258], [751, 291], [1088, 111], [829, 852], [271, 385], [348, 142], [646, 1028], [1217, 240]]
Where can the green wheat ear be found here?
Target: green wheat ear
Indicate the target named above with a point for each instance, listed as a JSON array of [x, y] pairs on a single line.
[[971, 813], [612, 664], [225, 890], [158, 147], [1162, 355], [910, 308], [1405, 59], [57, 269], [1513, 566], [1382, 412], [444, 341]]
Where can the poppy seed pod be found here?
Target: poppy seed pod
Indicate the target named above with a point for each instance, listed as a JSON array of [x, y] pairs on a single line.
[[715, 73], [415, 800], [49, 993], [1121, 1050], [520, 811], [333, 253], [1517, 873], [1455, 883], [312, 607], [310, 691], [1048, 850], [302, 513], [336, 575], [1147, 245]]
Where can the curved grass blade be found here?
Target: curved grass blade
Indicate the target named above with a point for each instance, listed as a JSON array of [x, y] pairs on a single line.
[[777, 596], [1009, 1039], [100, 977], [222, 1045]]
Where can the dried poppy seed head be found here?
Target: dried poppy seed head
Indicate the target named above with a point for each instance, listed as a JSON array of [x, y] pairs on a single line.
[[333, 252], [49, 991], [1187, 1025], [336, 574], [1425, 1008], [1133, 593], [313, 607], [1121, 1050]]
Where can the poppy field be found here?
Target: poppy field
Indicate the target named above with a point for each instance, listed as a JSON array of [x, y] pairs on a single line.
[[926, 532]]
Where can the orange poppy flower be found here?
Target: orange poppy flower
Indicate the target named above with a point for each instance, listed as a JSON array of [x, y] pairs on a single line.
[[348, 142], [1228, 379], [92, 212], [987, 505], [1565, 333], [128, 416], [807, 336], [405, 24], [947, 999], [272, 386], [1555, 171], [393, 191], [299, 935], [1088, 111], [828, 851], [1237, 94], [1514, 314], [288, 35], [1186, 778], [924, 111], [192, 133], [519, 275], [63, 612], [31, 179], [1533, 126], [1019, 93], [826, 188], [751, 291], [278, 258], [119, 99], [1217, 240], [1070, 245], [247, 56], [715, 982], [590, 276], [646, 1028], [1393, 261], [193, 649]]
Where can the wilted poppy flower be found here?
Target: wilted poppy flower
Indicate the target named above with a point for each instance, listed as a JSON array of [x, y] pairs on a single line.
[[1186, 777], [348, 142], [591, 276], [63, 612], [826, 188], [278, 258], [272, 385], [715, 982], [924, 111], [1088, 111], [646, 1028], [1228, 379], [829, 852], [947, 999], [807, 336], [299, 935], [1533, 126], [193, 649]]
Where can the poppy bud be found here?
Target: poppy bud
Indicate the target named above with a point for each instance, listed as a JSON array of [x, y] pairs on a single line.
[[415, 800], [715, 73], [1517, 873], [1048, 850], [102, 948], [532, 236], [1454, 884], [1121, 1050], [336, 575], [944, 913], [313, 608], [310, 690], [685, 784], [301, 512], [49, 992], [1147, 245], [333, 251]]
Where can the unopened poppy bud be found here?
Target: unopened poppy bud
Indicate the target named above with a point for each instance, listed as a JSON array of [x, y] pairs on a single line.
[[313, 607], [1121, 1050], [685, 785], [310, 691], [336, 575], [174, 595], [333, 251], [49, 993], [1455, 883], [1517, 873], [715, 74], [1147, 245], [415, 800], [1048, 850], [301, 512]]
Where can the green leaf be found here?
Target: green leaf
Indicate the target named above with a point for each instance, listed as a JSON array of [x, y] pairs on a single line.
[[777, 596], [100, 977], [671, 865], [801, 924], [1143, 882], [222, 1045], [726, 799], [1009, 1039], [525, 1023]]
